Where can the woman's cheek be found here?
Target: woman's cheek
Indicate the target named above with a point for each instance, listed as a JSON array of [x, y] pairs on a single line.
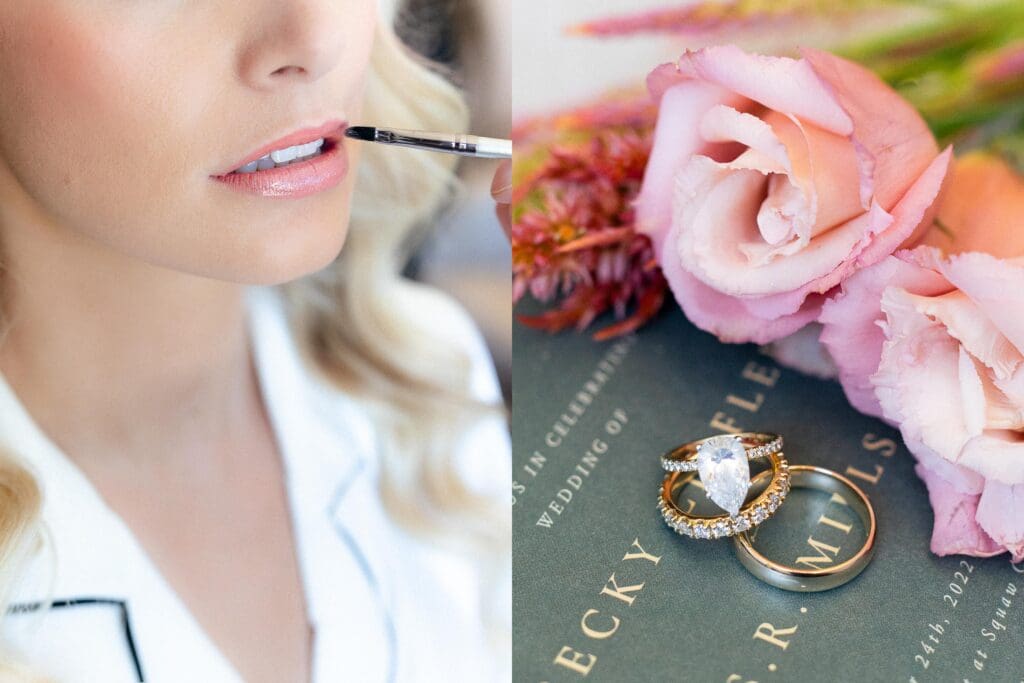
[[56, 59], [66, 100]]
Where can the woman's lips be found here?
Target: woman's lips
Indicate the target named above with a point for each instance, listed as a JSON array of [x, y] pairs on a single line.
[[332, 130], [298, 179]]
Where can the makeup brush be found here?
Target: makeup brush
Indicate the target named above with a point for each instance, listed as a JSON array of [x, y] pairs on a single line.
[[466, 145]]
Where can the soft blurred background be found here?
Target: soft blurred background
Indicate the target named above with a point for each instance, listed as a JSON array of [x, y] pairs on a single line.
[[586, 67], [467, 254]]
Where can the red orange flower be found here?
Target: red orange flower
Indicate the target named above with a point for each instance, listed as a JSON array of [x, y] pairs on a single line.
[[572, 230]]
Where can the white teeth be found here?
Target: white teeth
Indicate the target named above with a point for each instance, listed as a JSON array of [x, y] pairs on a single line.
[[281, 156], [284, 157]]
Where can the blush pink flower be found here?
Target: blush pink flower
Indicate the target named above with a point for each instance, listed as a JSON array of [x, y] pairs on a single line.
[[773, 179], [932, 341], [951, 376]]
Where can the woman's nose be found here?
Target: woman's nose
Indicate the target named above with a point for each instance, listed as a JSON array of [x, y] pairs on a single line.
[[295, 40]]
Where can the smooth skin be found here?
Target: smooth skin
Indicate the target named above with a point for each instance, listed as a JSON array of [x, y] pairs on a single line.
[[124, 266]]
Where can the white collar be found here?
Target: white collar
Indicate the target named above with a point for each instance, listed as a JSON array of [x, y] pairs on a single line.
[[328, 444]]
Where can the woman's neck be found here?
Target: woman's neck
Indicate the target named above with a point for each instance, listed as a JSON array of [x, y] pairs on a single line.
[[114, 355]]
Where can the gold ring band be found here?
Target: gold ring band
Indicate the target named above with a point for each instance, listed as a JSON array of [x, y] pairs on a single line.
[[755, 444], [750, 515], [810, 580]]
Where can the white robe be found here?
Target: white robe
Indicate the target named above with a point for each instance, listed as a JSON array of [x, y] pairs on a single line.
[[384, 607]]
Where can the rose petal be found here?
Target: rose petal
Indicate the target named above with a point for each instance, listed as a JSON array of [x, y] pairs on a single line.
[[831, 258], [1013, 386], [968, 324], [785, 219], [955, 530], [982, 208], [825, 165], [899, 142], [710, 246], [997, 455], [725, 316], [778, 219], [913, 213], [995, 286], [972, 394], [965, 481], [715, 209], [663, 77], [789, 210], [677, 138], [850, 319], [780, 83], [779, 287], [1001, 515], [917, 381], [1001, 411], [722, 123]]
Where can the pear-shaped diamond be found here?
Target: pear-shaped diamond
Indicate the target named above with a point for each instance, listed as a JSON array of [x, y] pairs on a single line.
[[724, 471]]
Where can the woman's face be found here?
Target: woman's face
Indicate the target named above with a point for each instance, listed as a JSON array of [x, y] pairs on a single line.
[[115, 116]]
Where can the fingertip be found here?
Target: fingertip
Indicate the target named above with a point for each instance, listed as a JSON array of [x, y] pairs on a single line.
[[501, 186]]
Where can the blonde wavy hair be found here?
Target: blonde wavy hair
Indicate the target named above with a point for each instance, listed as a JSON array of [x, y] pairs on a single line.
[[353, 325]]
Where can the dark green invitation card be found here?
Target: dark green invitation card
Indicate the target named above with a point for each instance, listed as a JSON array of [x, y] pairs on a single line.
[[604, 591]]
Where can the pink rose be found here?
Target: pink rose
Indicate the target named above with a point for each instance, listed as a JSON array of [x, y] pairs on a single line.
[[955, 493], [933, 342], [950, 374], [773, 179]]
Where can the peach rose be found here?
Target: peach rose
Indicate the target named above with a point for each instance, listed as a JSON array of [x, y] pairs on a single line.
[[932, 340], [773, 179]]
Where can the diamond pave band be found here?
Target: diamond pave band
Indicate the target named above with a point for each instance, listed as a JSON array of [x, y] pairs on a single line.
[[756, 445], [718, 526]]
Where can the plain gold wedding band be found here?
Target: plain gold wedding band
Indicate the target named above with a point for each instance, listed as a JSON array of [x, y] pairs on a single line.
[[811, 580]]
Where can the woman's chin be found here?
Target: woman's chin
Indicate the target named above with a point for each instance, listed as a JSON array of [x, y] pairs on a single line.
[[271, 256], [296, 255]]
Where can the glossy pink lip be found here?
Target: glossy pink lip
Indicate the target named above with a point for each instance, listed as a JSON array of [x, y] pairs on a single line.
[[299, 179]]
